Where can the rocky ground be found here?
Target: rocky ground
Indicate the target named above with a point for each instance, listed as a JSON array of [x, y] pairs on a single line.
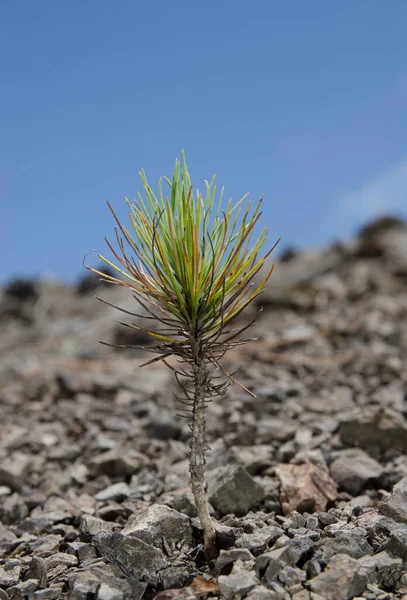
[[307, 482]]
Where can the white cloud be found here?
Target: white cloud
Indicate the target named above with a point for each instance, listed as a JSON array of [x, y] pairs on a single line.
[[386, 193]]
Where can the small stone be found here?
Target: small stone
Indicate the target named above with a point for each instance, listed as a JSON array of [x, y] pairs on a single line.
[[273, 429], [312, 568], [301, 595], [115, 463], [398, 543], [105, 592], [383, 568], [227, 558], [352, 542], [374, 428], [48, 594], [254, 459], [291, 576], [6, 535], [341, 580], [84, 552], [233, 490], [160, 526], [260, 539], [37, 570], [115, 492], [5, 490], [301, 547], [174, 577], [353, 469], [278, 591], [327, 518], [60, 558], [260, 592], [181, 500], [91, 526], [135, 557], [23, 589], [295, 521], [163, 426], [270, 563], [312, 523], [237, 584], [10, 573], [14, 470], [395, 506], [83, 585], [305, 488]]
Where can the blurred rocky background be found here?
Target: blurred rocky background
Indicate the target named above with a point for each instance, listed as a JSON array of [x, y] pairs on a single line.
[[307, 481]]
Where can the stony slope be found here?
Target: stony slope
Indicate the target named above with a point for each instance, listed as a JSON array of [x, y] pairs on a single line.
[[308, 481]]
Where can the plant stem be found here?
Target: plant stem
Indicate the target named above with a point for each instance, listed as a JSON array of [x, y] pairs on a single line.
[[197, 461]]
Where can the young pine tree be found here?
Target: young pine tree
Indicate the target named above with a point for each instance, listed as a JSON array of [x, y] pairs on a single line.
[[191, 268]]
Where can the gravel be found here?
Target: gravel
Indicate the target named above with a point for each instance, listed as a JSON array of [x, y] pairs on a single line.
[[307, 481]]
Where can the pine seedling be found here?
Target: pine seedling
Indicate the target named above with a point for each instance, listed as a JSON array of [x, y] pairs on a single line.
[[191, 267]]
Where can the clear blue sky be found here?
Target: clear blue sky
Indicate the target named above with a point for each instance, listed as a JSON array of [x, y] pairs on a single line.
[[304, 101]]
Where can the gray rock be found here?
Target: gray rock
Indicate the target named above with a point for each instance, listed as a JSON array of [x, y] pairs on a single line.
[[10, 573], [260, 539], [273, 429], [395, 506], [383, 569], [37, 570], [160, 526], [91, 526], [4, 595], [233, 490], [294, 521], [349, 541], [273, 561], [342, 579], [398, 543], [83, 585], [43, 522], [260, 592], [84, 552], [227, 558], [13, 509], [327, 518], [164, 426], [378, 528], [115, 492], [374, 428], [14, 470], [254, 459], [52, 593], [174, 577], [353, 469], [237, 584], [23, 589], [117, 463], [300, 548], [278, 591], [312, 522], [105, 592], [5, 534], [135, 557], [291, 576], [60, 558], [181, 500]]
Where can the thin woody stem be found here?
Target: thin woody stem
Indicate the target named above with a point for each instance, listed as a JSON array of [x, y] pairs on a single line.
[[197, 460]]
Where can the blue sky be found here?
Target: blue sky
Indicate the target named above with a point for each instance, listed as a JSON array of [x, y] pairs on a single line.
[[302, 101]]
